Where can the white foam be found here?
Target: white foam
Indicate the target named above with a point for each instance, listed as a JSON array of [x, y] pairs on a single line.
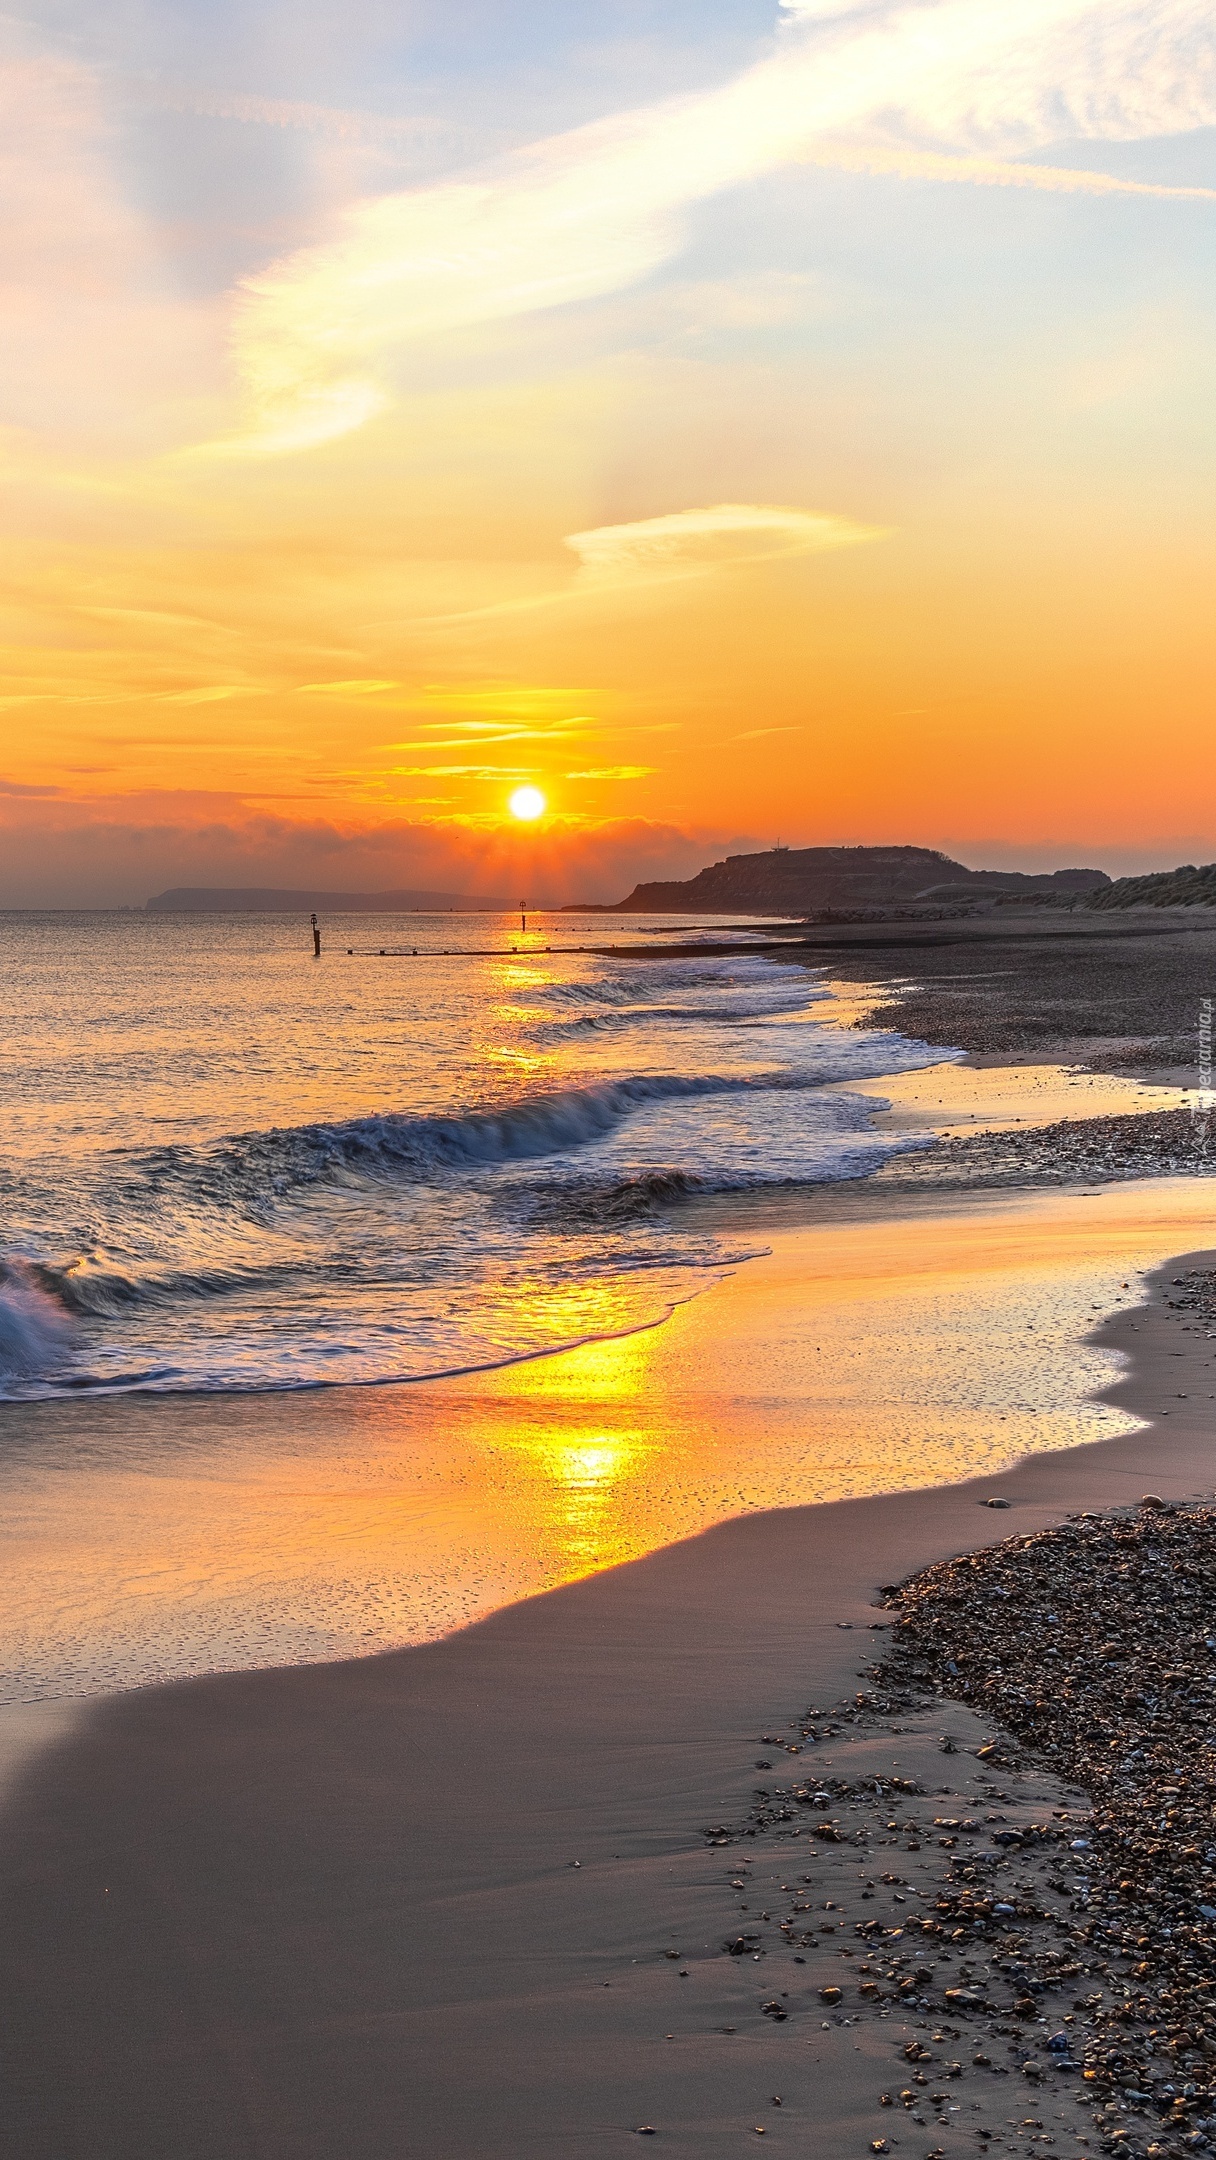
[[35, 1331], [450, 1166]]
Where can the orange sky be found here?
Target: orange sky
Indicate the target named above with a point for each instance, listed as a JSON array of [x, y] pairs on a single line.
[[728, 475]]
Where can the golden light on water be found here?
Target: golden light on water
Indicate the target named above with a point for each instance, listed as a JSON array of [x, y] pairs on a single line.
[[587, 1475], [527, 803], [861, 1357]]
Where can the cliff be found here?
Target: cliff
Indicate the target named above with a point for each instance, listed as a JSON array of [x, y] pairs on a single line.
[[802, 881]]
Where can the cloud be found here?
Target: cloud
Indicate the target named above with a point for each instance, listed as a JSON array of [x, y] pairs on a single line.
[[494, 740], [804, 11], [90, 341], [686, 541], [615, 772], [336, 120], [909, 164], [116, 850], [590, 212], [359, 686], [631, 558], [214, 694], [518, 700]]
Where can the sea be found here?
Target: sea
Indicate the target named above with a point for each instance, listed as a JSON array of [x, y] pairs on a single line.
[[446, 1144], [287, 1245]]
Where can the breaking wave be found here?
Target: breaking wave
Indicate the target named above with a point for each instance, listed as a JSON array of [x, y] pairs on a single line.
[[313, 1194], [36, 1333], [393, 1146]]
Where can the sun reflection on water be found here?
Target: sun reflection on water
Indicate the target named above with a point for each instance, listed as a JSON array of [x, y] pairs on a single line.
[[589, 1474], [862, 1357]]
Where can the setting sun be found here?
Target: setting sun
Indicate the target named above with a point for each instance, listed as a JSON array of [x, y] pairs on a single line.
[[527, 802]]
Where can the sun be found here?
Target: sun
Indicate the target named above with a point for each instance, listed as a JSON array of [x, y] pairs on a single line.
[[527, 803]]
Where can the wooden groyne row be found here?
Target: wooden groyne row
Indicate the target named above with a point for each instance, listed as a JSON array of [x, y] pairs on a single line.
[[707, 949], [537, 952]]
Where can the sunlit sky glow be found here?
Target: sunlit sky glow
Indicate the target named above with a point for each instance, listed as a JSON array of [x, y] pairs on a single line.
[[730, 419]]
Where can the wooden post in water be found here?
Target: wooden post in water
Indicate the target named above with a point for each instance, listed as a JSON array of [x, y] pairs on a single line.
[[523, 919], [316, 936]]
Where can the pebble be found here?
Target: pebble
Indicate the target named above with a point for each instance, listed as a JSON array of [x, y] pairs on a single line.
[[1126, 1710], [1146, 1143], [1095, 1925]]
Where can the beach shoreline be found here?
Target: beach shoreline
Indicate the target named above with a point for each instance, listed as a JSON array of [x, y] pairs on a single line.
[[875, 1347], [1117, 994], [459, 1899], [360, 1877]]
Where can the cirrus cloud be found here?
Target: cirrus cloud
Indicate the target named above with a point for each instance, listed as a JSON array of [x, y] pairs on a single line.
[[614, 772], [593, 211], [685, 541]]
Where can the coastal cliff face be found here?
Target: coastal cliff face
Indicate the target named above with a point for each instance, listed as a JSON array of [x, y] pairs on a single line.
[[798, 881]]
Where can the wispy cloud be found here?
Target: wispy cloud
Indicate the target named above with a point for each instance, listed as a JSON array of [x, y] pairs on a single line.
[[615, 772], [359, 686], [911, 164], [592, 211], [559, 737], [90, 339], [479, 734], [212, 694], [689, 540], [340, 121], [514, 698]]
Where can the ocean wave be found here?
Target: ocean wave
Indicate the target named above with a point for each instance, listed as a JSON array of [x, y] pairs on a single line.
[[448, 1358], [36, 1333], [410, 1184], [616, 1019], [97, 1290], [261, 1167], [782, 990], [588, 1203], [612, 1201]]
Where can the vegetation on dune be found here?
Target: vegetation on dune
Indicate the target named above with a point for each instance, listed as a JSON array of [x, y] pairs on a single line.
[[1188, 886]]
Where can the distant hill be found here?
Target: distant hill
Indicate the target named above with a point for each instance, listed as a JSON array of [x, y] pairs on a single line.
[[1184, 887], [271, 900], [801, 881]]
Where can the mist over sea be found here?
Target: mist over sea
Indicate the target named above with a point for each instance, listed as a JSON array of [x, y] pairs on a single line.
[[226, 1166]]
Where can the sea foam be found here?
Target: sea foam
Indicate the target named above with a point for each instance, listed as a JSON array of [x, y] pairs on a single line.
[[35, 1331], [361, 1175]]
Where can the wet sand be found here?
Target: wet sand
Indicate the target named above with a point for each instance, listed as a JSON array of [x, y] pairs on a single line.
[[899, 1339], [336, 1911]]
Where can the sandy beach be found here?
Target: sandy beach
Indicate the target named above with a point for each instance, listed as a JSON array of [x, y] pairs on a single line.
[[530, 1885], [608, 1081], [425, 1902]]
